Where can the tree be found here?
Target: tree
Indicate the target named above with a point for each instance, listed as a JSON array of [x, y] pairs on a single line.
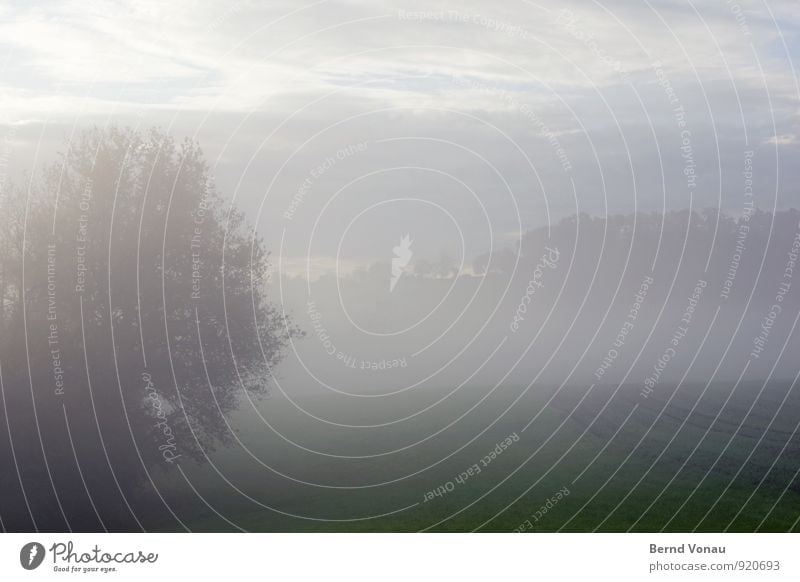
[[135, 319]]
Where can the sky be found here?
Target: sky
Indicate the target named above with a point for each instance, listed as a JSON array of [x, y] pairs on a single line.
[[502, 117]]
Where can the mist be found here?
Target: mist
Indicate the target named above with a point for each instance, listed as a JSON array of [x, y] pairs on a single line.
[[394, 266]]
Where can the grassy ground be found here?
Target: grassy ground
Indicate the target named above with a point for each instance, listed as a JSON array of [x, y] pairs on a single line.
[[638, 466]]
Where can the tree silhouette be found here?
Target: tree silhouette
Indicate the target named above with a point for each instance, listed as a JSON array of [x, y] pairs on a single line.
[[135, 319]]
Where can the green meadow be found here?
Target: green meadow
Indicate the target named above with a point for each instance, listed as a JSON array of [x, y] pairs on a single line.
[[621, 461]]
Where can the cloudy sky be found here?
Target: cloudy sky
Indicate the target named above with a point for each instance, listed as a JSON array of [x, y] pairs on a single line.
[[463, 123]]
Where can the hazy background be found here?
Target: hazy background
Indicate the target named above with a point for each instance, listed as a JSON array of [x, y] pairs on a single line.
[[579, 183]]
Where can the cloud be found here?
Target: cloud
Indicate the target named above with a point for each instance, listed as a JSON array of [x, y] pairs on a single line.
[[241, 53], [509, 95], [784, 139]]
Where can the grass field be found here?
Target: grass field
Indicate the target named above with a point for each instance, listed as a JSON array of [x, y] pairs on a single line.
[[627, 463]]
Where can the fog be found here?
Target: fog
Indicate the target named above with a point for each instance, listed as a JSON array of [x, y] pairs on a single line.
[[281, 267]]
